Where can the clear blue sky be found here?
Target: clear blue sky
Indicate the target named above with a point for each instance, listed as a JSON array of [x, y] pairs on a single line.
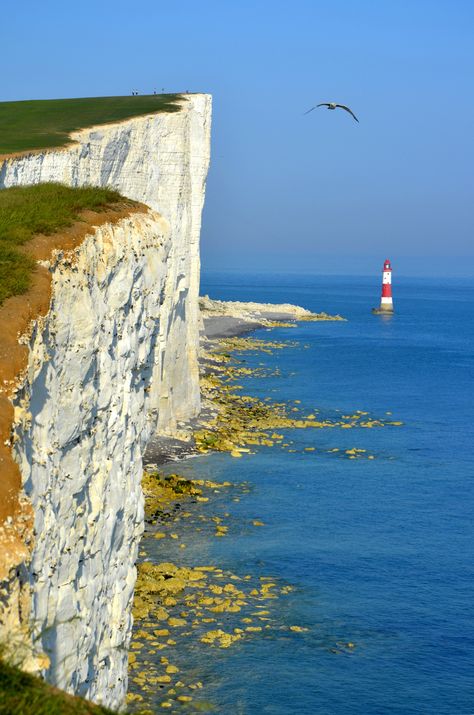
[[316, 193]]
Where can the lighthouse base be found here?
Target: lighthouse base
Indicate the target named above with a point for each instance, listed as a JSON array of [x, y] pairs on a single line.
[[383, 310]]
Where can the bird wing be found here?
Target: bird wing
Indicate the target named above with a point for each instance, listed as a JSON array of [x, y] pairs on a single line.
[[324, 104], [343, 106]]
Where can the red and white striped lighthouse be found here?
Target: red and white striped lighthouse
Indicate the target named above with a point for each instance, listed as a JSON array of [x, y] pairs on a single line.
[[386, 302]]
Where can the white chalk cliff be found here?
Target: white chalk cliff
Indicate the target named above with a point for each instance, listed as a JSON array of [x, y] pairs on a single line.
[[114, 360]]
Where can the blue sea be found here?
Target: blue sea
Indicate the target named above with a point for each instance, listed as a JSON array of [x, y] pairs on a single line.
[[379, 552]]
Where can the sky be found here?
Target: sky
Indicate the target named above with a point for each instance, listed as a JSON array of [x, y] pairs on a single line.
[[315, 193]]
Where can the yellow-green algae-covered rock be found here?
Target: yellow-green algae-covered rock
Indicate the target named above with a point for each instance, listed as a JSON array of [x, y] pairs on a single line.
[[189, 599], [241, 421], [195, 597]]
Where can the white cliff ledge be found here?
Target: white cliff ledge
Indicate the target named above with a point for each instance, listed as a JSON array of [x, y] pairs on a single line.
[[114, 360]]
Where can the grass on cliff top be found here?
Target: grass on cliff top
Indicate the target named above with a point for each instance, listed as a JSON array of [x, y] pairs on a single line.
[[39, 124], [43, 208], [23, 694]]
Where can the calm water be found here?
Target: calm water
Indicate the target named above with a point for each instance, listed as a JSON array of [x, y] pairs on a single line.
[[380, 551]]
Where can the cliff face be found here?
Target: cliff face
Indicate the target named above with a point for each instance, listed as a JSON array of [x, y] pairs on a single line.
[[162, 161], [113, 360]]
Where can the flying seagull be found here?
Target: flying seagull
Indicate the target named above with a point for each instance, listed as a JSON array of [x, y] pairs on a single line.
[[333, 105]]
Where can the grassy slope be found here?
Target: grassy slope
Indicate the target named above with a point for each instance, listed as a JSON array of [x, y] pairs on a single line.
[[22, 694], [39, 124], [43, 208]]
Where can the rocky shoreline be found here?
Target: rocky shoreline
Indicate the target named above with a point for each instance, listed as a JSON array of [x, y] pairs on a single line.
[[220, 320], [183, 606], [183, 612], [204, 606]]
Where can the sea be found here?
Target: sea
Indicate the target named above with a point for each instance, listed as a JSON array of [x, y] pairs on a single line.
[[378, 552]]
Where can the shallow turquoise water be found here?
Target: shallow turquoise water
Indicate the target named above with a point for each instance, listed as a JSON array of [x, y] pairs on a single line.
[[379, 552]]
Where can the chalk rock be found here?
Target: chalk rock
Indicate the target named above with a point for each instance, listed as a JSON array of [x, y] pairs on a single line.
[[113, 361]]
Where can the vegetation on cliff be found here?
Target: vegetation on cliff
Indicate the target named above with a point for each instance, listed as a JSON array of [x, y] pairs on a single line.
[[24, 694], [42, 124], [26, 211]]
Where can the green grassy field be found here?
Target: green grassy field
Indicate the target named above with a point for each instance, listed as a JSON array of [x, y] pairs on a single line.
[[44, 208], [23, 694], [38, 124]]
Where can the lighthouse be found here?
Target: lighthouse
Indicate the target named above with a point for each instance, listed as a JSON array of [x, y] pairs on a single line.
[[386, 302]]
